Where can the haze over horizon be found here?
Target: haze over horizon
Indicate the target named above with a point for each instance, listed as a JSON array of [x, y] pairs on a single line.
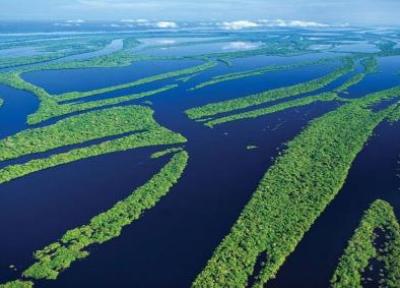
[[336, 12]]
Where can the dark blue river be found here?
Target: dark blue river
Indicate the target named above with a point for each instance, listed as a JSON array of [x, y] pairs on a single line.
[[172, 242]]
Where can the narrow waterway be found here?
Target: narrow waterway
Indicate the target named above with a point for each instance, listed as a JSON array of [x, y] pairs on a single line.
[[175, 239], [39, 208], [372, 176], [15, 110]]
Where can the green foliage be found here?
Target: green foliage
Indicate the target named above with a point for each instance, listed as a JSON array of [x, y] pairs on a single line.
[[59, 255], [158, 77], [187, 78], [6, 62], [122, 57], [165, 152], [151, 134], [227, 62], [270, 95], [52, 49], [46, 112], [378, 97], [287, 201], [49, 106], [329, 96], [116, 59], [292, 194], [14, 79], [78, 129], [256, 72], [394, 116], [351, 82], [281, 47], [361, 249], [17, 284], [370, 66]]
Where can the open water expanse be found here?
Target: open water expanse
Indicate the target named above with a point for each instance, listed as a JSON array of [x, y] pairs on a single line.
[[172, 242]]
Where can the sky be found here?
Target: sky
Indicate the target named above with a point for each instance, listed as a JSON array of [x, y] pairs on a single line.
[[353, 12]]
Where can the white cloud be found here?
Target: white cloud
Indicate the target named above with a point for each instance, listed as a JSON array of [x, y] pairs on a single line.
[[241, 45], [237, 25], [70, 23], [166, 24], [149, 24], [292, 23], [75, 21], [135, 21], [245, 24]]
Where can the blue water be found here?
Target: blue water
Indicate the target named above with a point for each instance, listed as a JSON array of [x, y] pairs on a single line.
[[357, 47], [42, 206], [175, 239], [61, 81], [172, 242], [199, 211], [19, 52], [224, 191], [202, 48], [114, 46], [372, 177], [17, 105], [378, 81]]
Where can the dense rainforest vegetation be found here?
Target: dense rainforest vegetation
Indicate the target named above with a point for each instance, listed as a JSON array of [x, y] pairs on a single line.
[[51, 105], [303, 181], [295, 189], [58, 256], [379, 221], [137, 121], [270, 95], [257, 72]]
